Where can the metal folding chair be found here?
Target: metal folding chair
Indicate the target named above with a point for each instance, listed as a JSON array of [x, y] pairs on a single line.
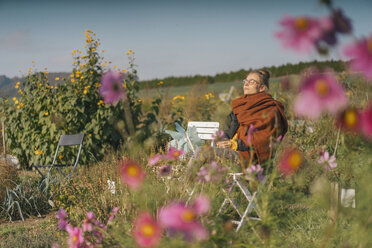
[[64, 140], [250, 198]]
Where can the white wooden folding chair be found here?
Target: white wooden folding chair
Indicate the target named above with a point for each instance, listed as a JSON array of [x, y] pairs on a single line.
[[205, 131], [249, 198]]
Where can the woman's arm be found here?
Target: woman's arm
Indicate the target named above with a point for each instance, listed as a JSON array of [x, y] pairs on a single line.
[[232, 125]]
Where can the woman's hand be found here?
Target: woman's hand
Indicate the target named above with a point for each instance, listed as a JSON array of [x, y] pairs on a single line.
[[224, 144]]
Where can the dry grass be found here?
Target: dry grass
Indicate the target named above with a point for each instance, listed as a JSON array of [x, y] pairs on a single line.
[[8, 175]]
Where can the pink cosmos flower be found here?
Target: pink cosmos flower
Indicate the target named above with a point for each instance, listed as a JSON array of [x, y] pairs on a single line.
[[290, 161], [256, 170], [327, 161], [165, 170], [75, 236], [366, 121], [203, 175], [361, 54], [131, 173], [350, 119], [302, 33], [319, 92], [111, 88], [177, 217], [111, 218], [87, 222], [218, 136], [201, 204], [173, 153], [146, 231], [155, 159], [90, 216], [211, 172], [62, 215], [251, 130]]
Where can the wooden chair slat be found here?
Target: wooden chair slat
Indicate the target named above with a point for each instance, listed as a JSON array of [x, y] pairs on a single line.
[[206, 130], [203, 124]]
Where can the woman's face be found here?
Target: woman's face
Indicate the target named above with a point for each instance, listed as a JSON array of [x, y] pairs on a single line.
[[252, 84]]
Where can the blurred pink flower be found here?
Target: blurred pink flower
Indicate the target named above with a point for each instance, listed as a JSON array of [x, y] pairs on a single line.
[[111, 218], [251, 130], [146, 231], [165, 170], [256, 170], [201, 204], [90, 216], [87, 222], [87, 226], [218, 136], [327, 161], [211, 172], [155, 159], [111, 88], [173, 153], [361, 54], [290, 161], [131, 173], [349, 119], [302, 33], [76, 238], [203, 175], [366, 121], [177, 217], [319, 92], [62, 223], [62, 215]]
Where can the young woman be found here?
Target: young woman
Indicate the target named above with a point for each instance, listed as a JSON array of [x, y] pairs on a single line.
[[255, 121]]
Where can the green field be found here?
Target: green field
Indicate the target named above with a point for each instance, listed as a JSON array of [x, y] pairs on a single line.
[[215, 88]]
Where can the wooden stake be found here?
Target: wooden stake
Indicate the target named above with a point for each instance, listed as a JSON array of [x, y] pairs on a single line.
[[3, 134], [128, 117]]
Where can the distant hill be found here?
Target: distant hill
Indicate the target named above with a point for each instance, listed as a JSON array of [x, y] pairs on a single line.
[[7, 84]]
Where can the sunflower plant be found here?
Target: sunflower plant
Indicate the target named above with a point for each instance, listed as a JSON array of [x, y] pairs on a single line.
[[45, 111]]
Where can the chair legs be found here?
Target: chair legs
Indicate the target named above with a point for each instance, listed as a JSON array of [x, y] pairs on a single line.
[[41, 174], [248, 196], [49, 172]]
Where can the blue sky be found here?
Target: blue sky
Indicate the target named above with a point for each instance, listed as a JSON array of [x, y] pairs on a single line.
[[170, 38]]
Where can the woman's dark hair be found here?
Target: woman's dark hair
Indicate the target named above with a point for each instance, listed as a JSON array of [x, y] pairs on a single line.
[[265, 76]]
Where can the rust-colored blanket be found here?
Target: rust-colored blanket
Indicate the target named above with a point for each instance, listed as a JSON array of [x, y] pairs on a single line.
[[267, 117]]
